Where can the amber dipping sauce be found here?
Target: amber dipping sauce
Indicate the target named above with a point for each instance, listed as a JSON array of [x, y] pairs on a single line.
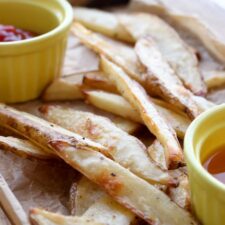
[[215, 164]]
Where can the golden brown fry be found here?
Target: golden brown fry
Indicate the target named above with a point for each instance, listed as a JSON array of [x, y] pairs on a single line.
[[214, 79], [137, 97], [113, 103], [119, 106], [91, 202], [162, 80], [102, 22], [24, 148], [43, 217], [126, 125], [109, 212], [98, 81], [181, 193], [132, 192], [16, 121], [203, 103], [124, 148], [156, 152], [64, 89], [122, 55], [84, 194], [172, 47], [137, 25]]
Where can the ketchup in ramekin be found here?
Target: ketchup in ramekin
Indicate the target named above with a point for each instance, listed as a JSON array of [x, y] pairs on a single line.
[[11, 33]]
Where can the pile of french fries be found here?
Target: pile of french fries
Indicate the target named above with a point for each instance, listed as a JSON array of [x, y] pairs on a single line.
[[148, 76]]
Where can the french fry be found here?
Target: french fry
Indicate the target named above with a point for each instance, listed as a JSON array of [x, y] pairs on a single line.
[[203, 103], [172, 47], [156, 152], [181, 193], [124, 148], [149, 6], [63, 89], [24, 148], [162, 80], [83, 195], [91, 202], [126, 59], [134, 27], [119, 106], [214, 79], [70, 88], [137, 97], [98, 81], [43, 217], [120, 54], [6, 132], [126, 125], [109, 212], [102, 22], [123, 186], [113, 103], [13, 120]]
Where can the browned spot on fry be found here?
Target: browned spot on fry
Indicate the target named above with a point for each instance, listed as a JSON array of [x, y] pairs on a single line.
[[92, 129], [110, 182], [44, 109]]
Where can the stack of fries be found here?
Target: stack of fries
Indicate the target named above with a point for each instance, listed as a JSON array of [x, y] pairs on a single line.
[[147, 76]]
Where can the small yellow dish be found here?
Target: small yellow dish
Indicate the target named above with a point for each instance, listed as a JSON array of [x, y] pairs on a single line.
[[27, 66], [204, 135]]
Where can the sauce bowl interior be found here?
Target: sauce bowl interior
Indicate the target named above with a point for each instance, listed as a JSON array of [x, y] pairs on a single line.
[[23, 14]]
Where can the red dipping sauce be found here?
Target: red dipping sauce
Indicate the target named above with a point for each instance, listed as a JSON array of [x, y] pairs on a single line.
[[215, 164], [10, 33]]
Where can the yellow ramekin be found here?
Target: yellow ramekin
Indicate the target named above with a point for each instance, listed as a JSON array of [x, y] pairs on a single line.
[[204, 135], [27, 66]]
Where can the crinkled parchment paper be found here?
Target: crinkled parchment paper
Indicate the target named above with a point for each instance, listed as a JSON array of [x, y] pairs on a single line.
[[45, 184]]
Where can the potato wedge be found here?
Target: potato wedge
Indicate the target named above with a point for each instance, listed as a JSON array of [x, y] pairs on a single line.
[[98, 81], [113, 103], [117, 105], [126, 125], [64, 89], [137, 25], [181, 193], [43, 217], [149, 6], [102, 22], [6, 132], [84, 194], [162, 80], [129, 190], [15, 121], [137, 97], [201, 30], [203, 103], [24, 148], [214, 79], [122, 55], [109, 212], [91, 202], [156, 152], [119, 183], [172, 47], [124, 148]]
